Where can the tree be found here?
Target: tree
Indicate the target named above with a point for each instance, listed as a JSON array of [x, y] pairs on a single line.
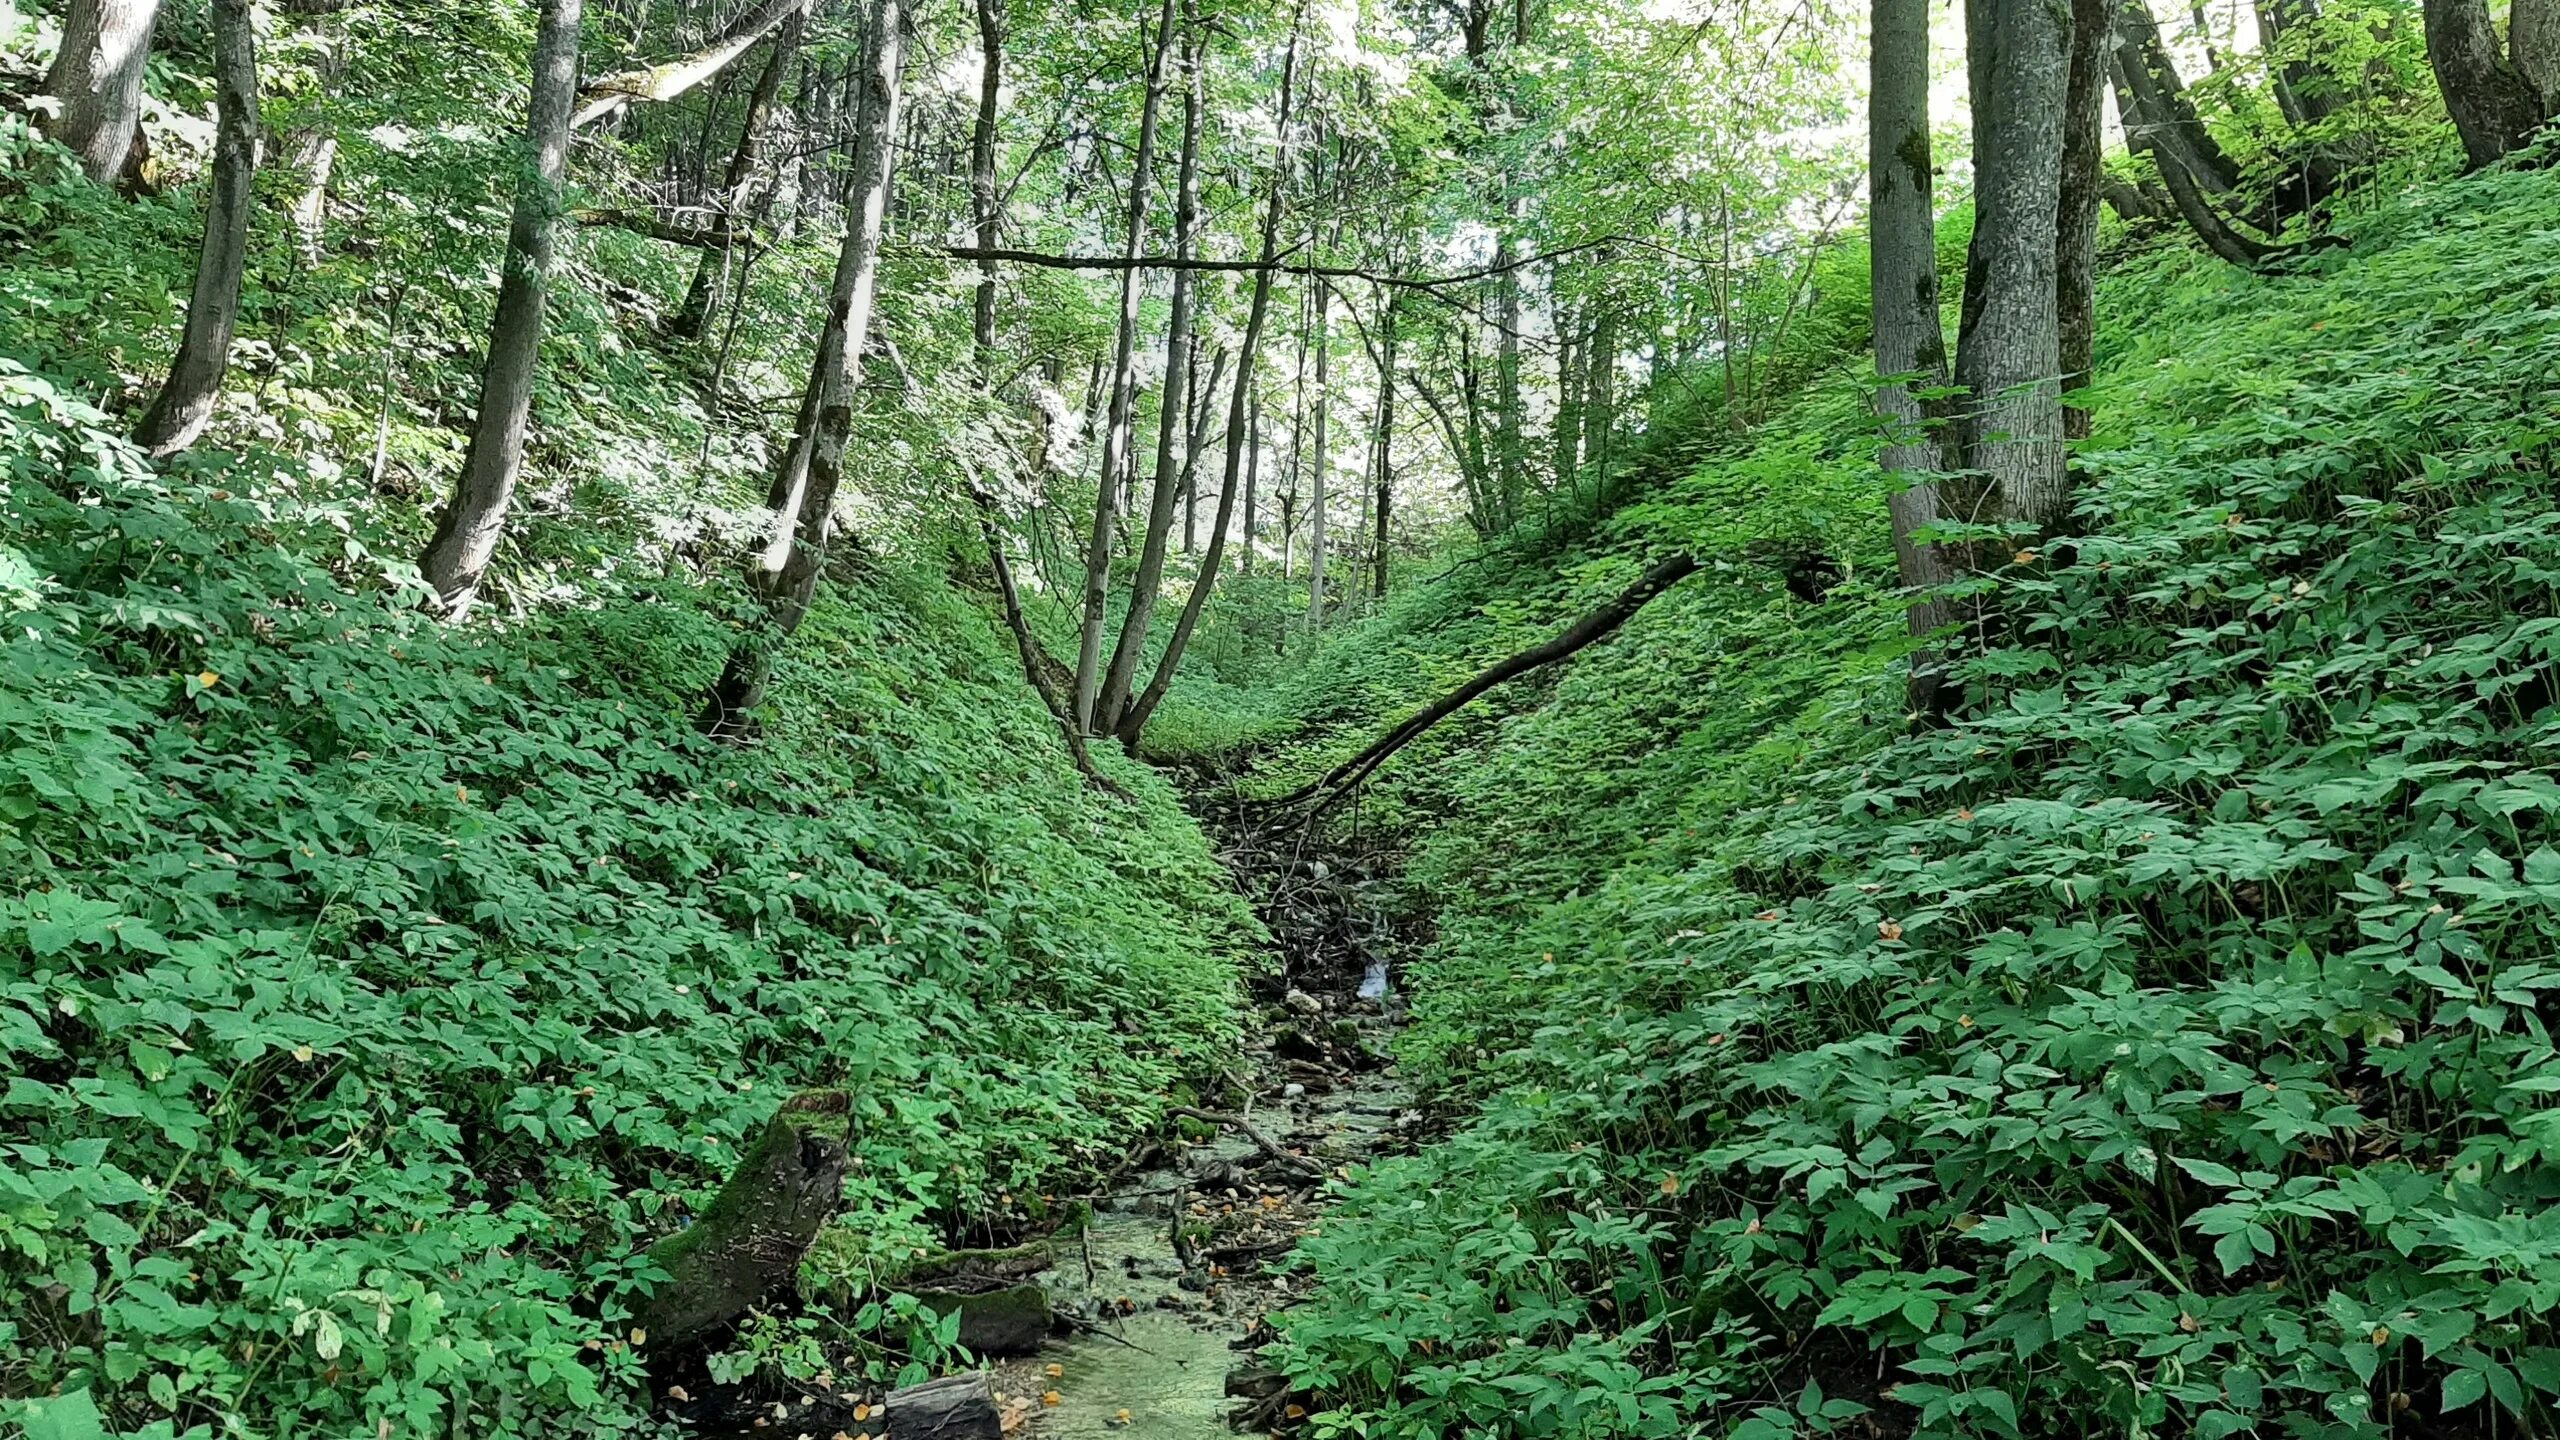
[[1386, 439], [475, 517], [784, 574], [1910, 342], [2076, 221], [1167, 484], [712, 269], [185, 403], [2008, 350], [95, 84], [1316, 490], [1115, 435], [2494, 107]]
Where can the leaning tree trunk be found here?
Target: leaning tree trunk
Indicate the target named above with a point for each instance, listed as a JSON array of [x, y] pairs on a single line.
[[2164, 116], [1911, 345], [96, 81], [1170, 410], [2186, 194], [1115, 435], [2494, 107], [2008, 353], [2076, 222], [784, 575], [694, 316], [185, 402], [750, 1240], [475, 518]]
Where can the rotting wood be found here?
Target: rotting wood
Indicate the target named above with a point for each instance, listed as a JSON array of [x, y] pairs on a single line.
[[955, 1407], [761, 1223]]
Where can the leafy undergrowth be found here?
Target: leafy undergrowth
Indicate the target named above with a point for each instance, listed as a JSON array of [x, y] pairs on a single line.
[[2163, 1047], [370, 992]]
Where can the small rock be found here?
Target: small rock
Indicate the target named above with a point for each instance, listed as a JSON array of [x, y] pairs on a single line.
[[1304, 1003], [1292, 1090]]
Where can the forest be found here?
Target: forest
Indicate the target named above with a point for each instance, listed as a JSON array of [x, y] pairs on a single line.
[[1331, 719]]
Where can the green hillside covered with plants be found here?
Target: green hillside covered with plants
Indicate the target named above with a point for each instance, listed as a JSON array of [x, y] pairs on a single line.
[[1405, 720]]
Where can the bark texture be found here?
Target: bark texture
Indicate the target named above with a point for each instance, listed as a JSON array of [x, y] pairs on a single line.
[[1911, 346], [1316, 495], [2076, 223], [2494, 107], [96, 84], [475, 517], [2008, 354], [185, 402], [784, 575], [763, 1220]]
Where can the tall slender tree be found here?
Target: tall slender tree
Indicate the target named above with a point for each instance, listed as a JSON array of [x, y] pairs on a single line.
[[1115, 435], [95, 83], [1910, 340], [475, 516], [784, 573], [1323, 403], [185, 403], [712, 270], [1166, 487], [2076, 224]]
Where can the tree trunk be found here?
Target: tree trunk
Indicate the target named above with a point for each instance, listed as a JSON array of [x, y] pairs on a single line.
[[1167, 484], [1252, 478], [2533, 45], [1316, 497], [784, 574], [982, 177], [2162, 115], [1568, 445], [1600, 402], [1911, 344], [1386, 441], [2076, 223], [2493, 105], [695, 314], [2186, 193], [96, 78], [1589, 630], [2008, 353], [185, 402], [1239, 427], [750, 1240], [1115, 435], [1204, 408], [475, 517], [1510, 458]]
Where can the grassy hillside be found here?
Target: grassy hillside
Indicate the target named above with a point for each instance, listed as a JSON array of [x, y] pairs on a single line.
[[2162, 1047], [370, 991]]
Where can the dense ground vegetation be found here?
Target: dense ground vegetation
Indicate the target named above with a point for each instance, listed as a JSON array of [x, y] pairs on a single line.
[[2162, 1046]]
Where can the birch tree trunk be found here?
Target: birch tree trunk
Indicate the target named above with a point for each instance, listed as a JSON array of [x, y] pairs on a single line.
[[475, 517], [96, 82], [1911, 343], [982, 178], [1172, 406], [186, 399], [784, 574], [1115, 435], [2008, 353], [694, 316]]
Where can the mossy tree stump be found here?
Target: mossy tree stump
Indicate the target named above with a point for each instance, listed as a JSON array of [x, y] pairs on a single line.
[[762, 1222]]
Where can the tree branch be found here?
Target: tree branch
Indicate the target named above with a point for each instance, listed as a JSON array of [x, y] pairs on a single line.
[[973, 254]]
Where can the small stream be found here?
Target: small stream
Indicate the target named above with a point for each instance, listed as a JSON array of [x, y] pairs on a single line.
[[1153, 1340]]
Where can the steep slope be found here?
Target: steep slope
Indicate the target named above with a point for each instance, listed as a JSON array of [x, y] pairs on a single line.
[[2164, 1046], [370, 991]]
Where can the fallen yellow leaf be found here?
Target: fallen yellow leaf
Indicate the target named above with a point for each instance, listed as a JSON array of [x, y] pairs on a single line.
[[1670, 1184], [1056, 1372], [206, 679], [1049, 1397]]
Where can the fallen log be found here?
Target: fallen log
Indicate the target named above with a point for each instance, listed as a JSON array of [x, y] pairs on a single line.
[[758, 1227], [1252, 1132], [660, 83], [955, 1407], [1590, 629]]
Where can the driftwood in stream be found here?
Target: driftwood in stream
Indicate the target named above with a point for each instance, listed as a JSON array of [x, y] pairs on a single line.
[[763, 1220], [1591, 628], [955, 1407]]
